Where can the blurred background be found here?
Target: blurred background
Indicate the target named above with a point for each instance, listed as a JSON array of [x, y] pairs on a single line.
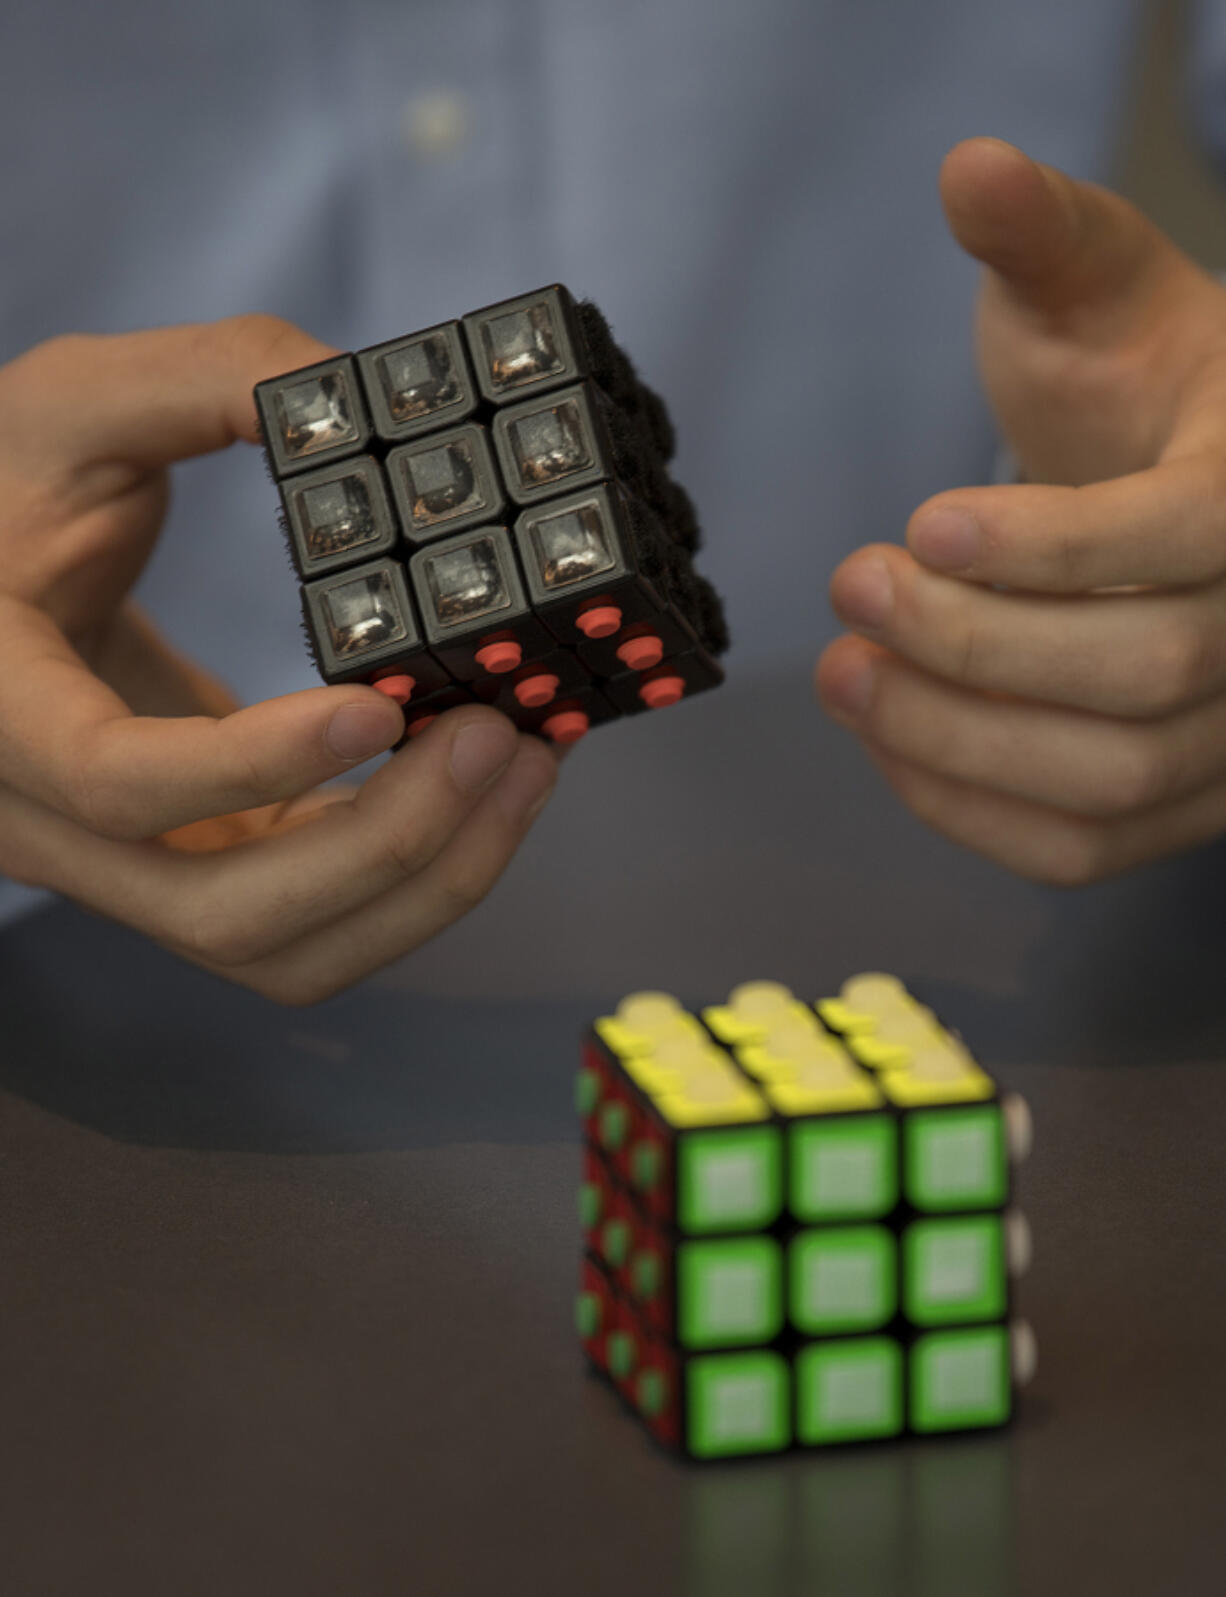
[[749, 191], [1162, 166]]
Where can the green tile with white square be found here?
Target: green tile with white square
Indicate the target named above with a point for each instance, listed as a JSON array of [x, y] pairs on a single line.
[[842, 1167], [960, 1380], [955, 1159], [842, 1278], [848, 1390], [953, 1270], [737, 1403], [729, 1180], [729, 1292]]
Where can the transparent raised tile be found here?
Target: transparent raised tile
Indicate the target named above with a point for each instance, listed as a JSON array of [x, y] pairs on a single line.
[[363, 614]]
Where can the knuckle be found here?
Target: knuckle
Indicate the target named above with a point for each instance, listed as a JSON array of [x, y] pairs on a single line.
[[59, 361], [966, 653], [107, 807], [1176, 666], [409, 855], [212, 934], [1212, 484], [251, 780], [1138, 775], [292, 989], [894, 721], [1064, 556], [461, 890], [65, 351], [265, 339], [1073, 855], [24, 869]]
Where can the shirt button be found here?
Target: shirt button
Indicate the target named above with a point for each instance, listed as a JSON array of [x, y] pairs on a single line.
[[436, 124]]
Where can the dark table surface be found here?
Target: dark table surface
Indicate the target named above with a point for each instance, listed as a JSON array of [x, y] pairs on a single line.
[[286, 1299]]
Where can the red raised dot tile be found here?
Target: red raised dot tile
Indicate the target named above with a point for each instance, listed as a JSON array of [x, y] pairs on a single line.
[[660, 692], [568, 726], [601, 621], [499, 658], [641, 653], [535, 691], [397, 686]]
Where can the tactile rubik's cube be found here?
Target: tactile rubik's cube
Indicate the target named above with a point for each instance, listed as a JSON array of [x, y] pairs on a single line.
[[796, 1221], [483, 510]]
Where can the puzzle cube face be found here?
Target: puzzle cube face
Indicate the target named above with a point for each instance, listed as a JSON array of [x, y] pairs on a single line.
[[525, 344], [955, 1159], [588, 584], [470, 580], [474, 614], [954, 1270], [842, 1279], [656, 1401], [570, 545], [536, 683], [313, 416], [566, 717], [729, 1180], [738, 1403], [365, 613], [362, 623], [651, 1284], [338, 515], [444, 483], [554, 444], [799, 1248], [596, 1314], [668, 683], [960, 1380], [843, 1168], [423, 708], [461, 428], [419, 383], [578, 557], [849, 1391], [729, 1292]]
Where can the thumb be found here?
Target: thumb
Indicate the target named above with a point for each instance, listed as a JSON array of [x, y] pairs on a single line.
[[1055, 244]]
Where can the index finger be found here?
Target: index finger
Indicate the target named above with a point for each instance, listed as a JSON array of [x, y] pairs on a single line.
[[1164, 527], [151, 397], [69, 741]]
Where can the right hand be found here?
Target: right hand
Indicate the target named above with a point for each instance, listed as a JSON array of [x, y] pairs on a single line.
[[130, 780]]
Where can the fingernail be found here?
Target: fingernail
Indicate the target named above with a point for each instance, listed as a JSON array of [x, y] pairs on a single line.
[[480, 752], [865, 594], [947, 539], [359, 732], [849, 692], [525, 789]]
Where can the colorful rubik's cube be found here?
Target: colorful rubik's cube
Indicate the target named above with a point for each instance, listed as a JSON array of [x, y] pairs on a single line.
[[483, 510], [797, 1222]]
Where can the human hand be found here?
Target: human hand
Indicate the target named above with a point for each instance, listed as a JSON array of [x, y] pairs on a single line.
[[130, 780], [1041, 674]]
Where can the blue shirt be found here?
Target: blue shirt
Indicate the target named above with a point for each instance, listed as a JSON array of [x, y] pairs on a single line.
[[747, 187]]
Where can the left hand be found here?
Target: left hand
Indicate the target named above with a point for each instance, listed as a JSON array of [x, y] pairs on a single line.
[[131, 781], [1041, 673]]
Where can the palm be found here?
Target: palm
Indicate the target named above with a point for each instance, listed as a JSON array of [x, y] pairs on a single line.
[[1041, 672]]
